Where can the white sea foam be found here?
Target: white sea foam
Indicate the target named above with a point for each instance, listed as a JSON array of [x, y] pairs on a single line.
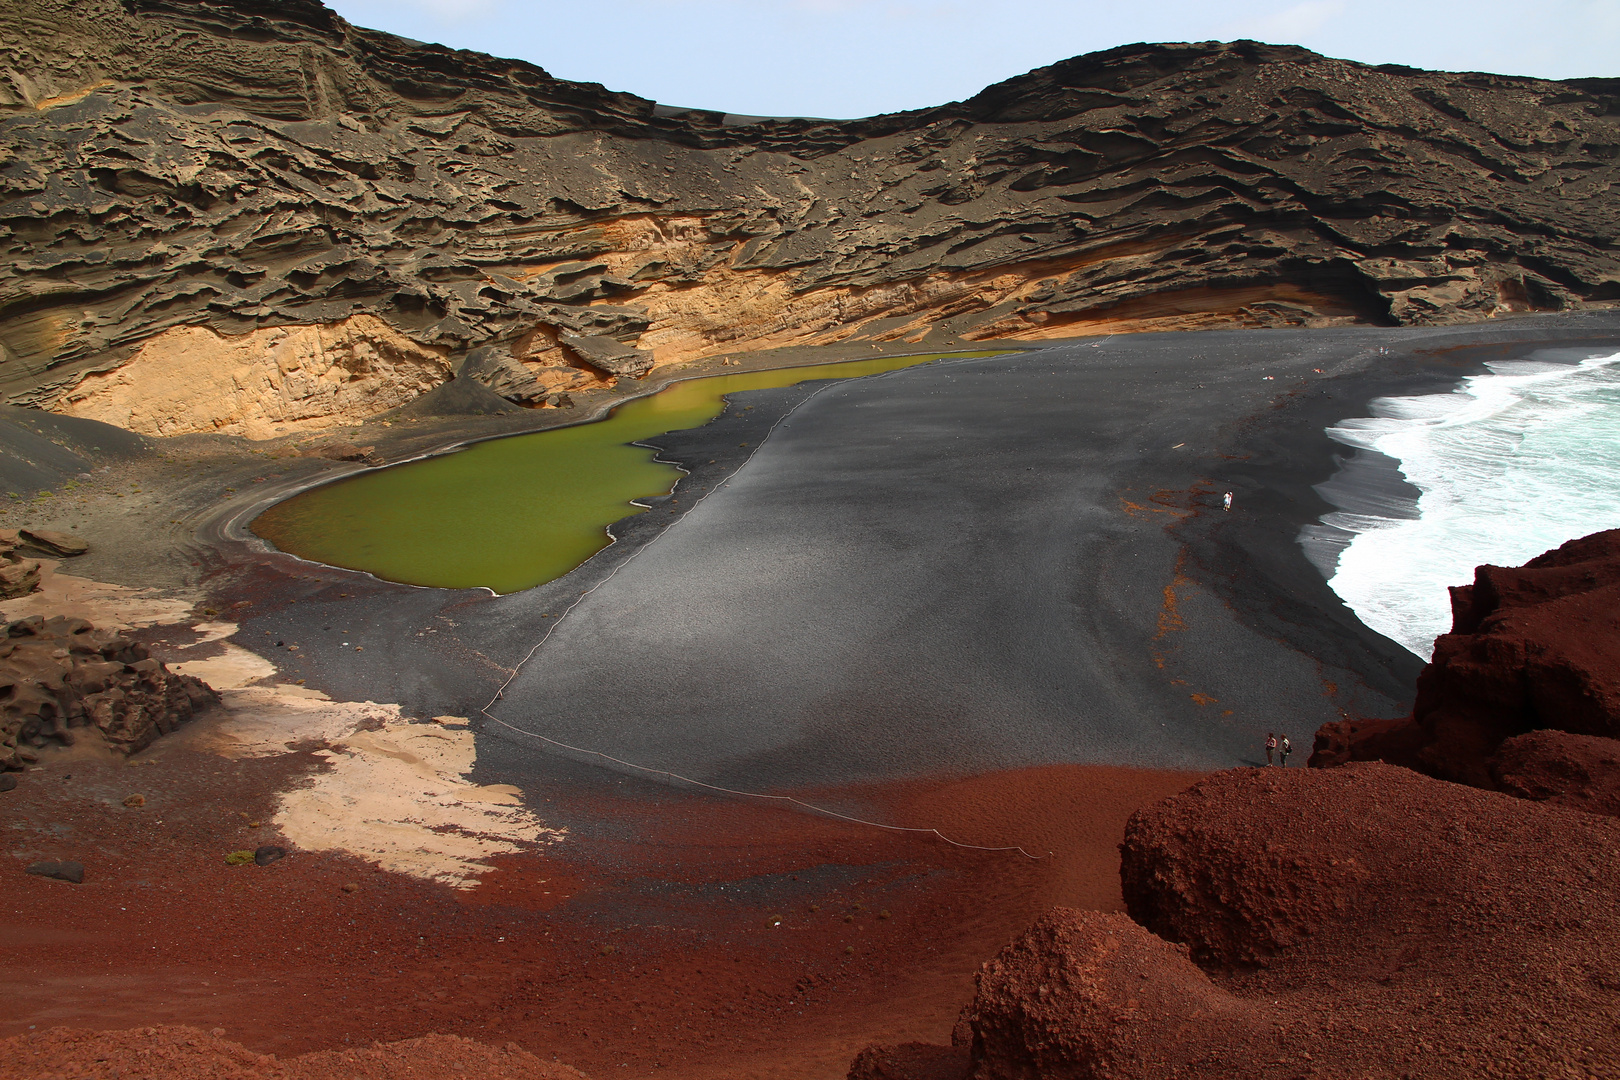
[[1508, 465]]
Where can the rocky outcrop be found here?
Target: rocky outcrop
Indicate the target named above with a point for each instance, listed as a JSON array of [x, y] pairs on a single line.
[[230, 167], [1363, 921], [339, 450], [1577, 771], [19, 576], [1084, 995], [59, 545], [1532, 647], [62, 674]]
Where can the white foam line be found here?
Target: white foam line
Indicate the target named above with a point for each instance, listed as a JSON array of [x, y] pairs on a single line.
[[649, 770]]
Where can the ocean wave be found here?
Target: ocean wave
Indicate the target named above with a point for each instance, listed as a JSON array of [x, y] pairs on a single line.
[[1506, 466]]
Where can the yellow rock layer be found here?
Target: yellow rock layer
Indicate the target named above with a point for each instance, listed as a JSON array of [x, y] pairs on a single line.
[[298, 379], [262, 384], [713, 307]]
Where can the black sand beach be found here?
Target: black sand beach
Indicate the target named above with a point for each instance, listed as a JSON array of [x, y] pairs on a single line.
[[970, 565], [960, 597]]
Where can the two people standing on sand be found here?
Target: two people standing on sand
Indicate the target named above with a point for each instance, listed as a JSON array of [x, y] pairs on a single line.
[[1276, 749]]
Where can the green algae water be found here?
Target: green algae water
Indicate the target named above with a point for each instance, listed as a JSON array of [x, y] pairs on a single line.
[[513, 513]]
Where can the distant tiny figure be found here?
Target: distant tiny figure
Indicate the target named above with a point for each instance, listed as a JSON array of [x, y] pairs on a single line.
[[1226, 501], [1284, 750], [1271, 747]]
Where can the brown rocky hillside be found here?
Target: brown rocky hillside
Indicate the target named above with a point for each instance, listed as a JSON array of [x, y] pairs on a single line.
[[262, 216]]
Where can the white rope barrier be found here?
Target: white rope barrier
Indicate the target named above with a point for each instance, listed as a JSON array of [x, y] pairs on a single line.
[[785, 799]]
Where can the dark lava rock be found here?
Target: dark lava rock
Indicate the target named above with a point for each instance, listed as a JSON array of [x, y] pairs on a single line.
[[61, 674], [1532, 647], [471, 201], [8, 782], [61, 871], [268, 854]]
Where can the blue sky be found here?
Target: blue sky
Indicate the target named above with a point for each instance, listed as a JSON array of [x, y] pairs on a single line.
[[843, 58]]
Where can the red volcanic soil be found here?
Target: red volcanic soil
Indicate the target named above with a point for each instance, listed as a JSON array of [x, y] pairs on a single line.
[[671, 935], [1578, 771], [1366, 921], [185, 1053]]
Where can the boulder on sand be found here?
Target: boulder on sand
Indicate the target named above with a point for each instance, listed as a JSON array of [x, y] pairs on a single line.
[[59, 544], [61, 871]]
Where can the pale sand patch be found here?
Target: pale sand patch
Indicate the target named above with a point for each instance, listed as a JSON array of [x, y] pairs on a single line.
[[233, 669], [267, 720], [399, 796], [396, 792], [109, 607], [211, 632]]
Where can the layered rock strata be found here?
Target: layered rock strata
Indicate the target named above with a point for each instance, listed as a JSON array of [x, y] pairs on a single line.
[[62, 674], [1363, 921], [182, 178], [1531, 648]]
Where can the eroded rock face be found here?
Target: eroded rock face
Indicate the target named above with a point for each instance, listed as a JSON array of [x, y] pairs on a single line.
[[1532, 647], [241, 166], [261, 384], [18, 576], [60, 674]]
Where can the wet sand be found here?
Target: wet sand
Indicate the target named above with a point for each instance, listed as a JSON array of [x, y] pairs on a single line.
[[1017, 645]]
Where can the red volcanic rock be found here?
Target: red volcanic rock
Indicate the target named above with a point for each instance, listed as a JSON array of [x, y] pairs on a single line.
[[1369, 739], [1364, 921], [1578, 771], [1084, 995], [1239, 886], [1531, 647]]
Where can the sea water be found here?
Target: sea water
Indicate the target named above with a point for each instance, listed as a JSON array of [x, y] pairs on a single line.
[[1506, 466]]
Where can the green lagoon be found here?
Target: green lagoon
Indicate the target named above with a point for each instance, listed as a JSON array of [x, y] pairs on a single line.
[[512, 513]]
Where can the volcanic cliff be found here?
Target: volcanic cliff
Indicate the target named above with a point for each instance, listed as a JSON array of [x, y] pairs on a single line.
[[1521, 696], [271, 220]]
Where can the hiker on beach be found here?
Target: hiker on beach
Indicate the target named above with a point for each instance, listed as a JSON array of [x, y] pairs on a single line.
[[1271, 747], [1285, 749], [1226, 501]]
